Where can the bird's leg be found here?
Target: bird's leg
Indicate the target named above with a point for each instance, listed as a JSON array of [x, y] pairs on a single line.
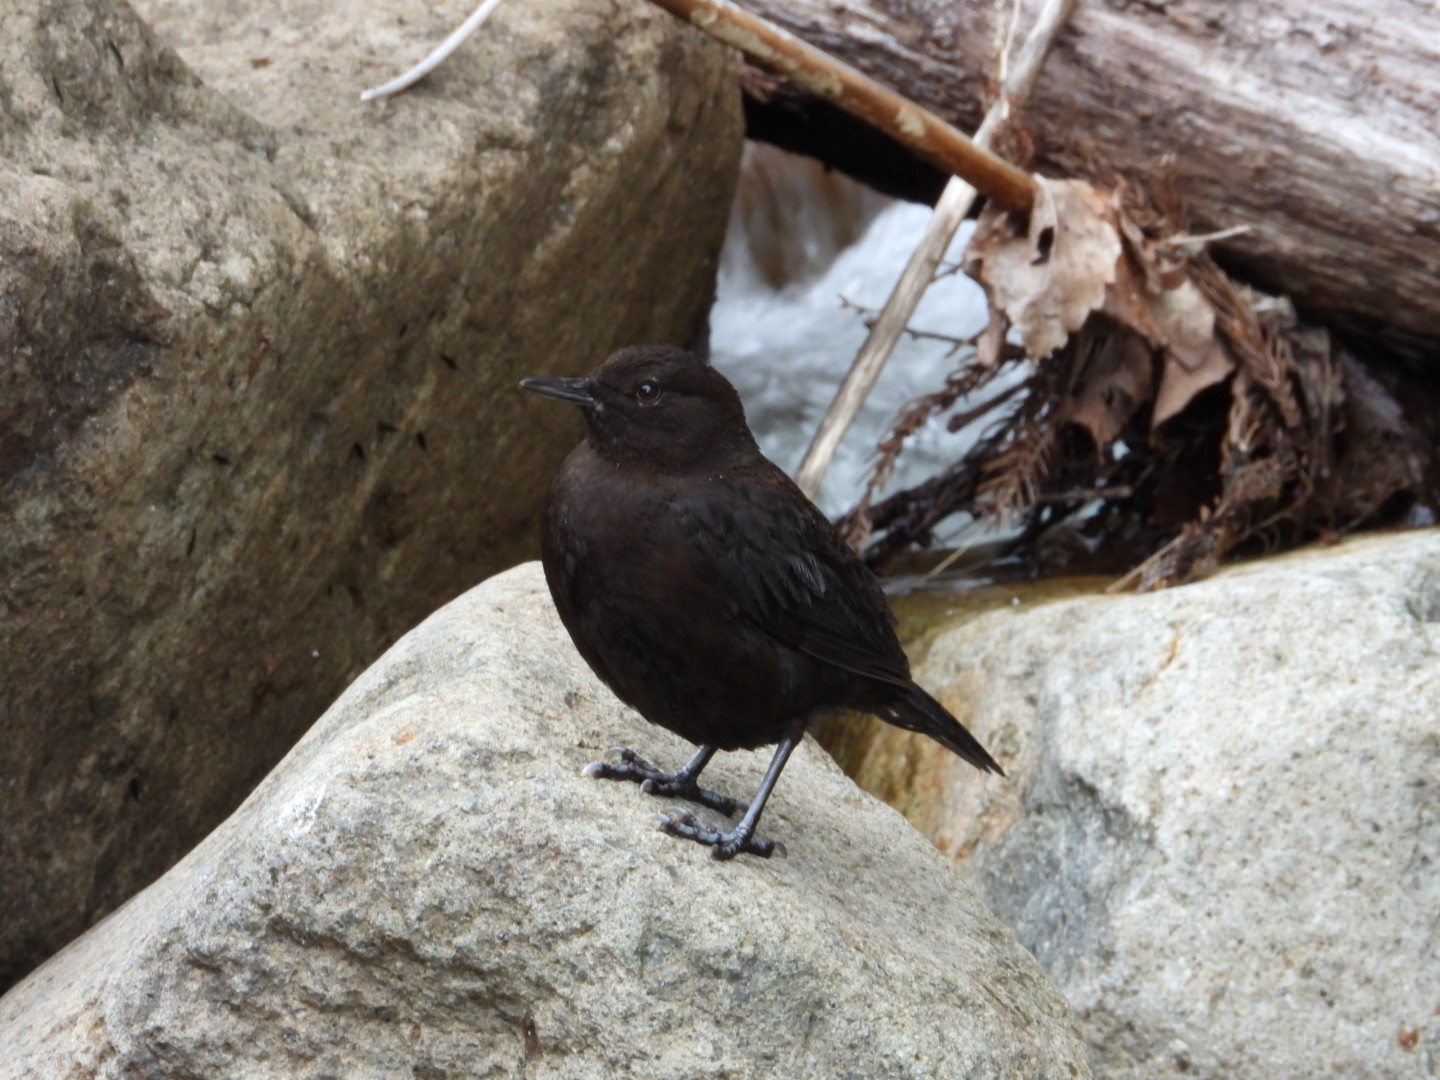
[[682, 784], [726, 845]]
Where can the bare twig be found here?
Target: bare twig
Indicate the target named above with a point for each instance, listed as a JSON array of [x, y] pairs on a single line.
[[1115, 491], [1171, 243], [954, 204], [969, 416], [871, 313], [837, 82], [1005, 38], [947, 562], [436, 58]]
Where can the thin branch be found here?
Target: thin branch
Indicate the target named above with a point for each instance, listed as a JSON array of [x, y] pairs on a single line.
[[1087, 495], [954, 204], [1173, 242], [969, 416], [945, 563], [1005, 38], [436, 58], [861, 96], [871, 313]]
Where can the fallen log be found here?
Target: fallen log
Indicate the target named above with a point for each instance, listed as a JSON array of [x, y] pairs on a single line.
[[1314, 123]]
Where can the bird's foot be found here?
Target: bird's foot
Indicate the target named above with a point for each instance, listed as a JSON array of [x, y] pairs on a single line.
[[653, 781], [723, 845]]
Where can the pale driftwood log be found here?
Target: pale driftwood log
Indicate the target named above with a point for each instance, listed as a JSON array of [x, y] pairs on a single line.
[[1316, 122]]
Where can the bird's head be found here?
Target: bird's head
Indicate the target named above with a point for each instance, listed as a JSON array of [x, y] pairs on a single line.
[[658, 405]]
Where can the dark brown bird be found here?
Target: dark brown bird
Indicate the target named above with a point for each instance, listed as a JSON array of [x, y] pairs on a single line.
[[707, 591]]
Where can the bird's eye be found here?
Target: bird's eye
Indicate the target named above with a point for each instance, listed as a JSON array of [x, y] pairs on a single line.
[[647, 393]]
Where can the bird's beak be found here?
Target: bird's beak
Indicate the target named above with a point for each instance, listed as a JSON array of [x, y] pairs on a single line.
[[571, 390]]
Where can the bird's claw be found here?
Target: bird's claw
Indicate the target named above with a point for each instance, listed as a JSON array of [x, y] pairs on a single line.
[[723, 845], [654, 781]]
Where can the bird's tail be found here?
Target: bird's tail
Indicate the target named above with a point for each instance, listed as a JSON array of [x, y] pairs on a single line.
[[915, 710]]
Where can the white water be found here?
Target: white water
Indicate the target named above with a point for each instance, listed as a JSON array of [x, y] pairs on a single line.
[[786, 349]]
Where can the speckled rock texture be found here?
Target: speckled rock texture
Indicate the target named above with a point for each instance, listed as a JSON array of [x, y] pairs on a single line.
[[1222, 834], [258, 352], [426, 886]]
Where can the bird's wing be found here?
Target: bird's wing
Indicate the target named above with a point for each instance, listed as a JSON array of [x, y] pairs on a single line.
[[780, 566]]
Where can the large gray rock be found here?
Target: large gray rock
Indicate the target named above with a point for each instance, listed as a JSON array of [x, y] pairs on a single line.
[[258, 352], [1222, 837], [427, 887]]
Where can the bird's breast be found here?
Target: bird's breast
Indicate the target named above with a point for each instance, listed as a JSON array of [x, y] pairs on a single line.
[[650, 617]]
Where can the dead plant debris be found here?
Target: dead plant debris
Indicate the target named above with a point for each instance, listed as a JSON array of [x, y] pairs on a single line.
[[1178, 408]]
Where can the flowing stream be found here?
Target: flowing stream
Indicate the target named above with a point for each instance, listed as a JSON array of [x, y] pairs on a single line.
[[802, 241]]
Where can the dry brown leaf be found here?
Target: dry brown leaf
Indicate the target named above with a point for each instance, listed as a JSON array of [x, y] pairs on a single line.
[[990, 344], [1194, 358], [1048, 280], [1128, 301], [1113, 381]]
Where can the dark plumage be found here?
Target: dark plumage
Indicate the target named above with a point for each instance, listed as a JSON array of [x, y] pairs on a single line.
[[703, 587]]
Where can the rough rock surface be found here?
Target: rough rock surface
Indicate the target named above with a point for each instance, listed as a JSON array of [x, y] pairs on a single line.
[[258, 348], [1222, 837], [426, 886]]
